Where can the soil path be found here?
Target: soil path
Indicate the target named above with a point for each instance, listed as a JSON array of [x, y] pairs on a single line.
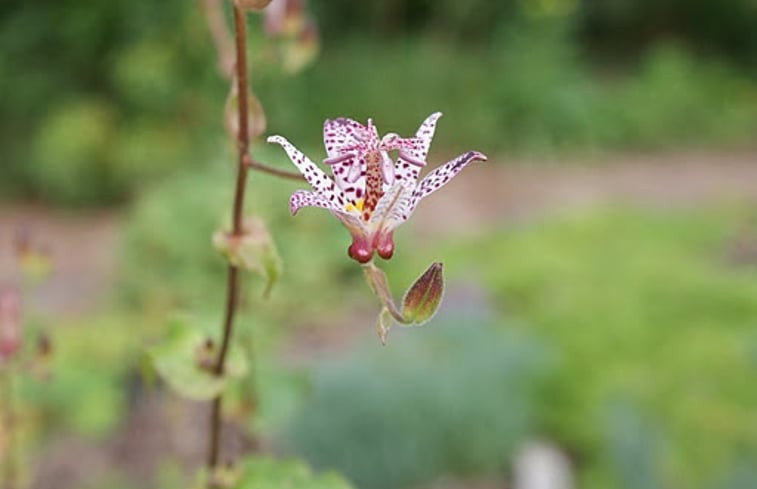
[[84, 245], [489, 195]]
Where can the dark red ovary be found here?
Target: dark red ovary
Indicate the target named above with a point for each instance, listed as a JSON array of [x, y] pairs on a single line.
[[384, 245], [360, 250]]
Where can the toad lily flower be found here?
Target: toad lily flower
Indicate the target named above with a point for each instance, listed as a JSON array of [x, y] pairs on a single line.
[[370, 193]]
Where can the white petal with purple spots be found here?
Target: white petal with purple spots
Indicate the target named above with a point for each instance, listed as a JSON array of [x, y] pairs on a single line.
[[341, 133], [439, 177], [412, 159], [303, 198], [321, 183]]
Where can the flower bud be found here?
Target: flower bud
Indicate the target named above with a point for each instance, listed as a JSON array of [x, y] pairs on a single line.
[[423, 297], [252, 4], [256, 120], [10, 324]]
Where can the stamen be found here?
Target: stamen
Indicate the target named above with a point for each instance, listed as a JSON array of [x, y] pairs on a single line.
[[390, 207], [338, 159], [410, 159]]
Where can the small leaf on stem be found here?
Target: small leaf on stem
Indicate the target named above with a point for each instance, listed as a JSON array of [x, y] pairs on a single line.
[[179, 361], [254, 250]]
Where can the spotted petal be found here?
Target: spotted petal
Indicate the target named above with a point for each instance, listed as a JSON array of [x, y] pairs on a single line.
[[321, 183], [303, 198], [349, 175], [439, 177], [341, 133], [412, 159], [394, 207]]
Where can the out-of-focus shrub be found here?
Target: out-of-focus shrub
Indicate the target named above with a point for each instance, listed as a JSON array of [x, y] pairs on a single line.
[[96, 94], [623, 27], [453, 398], [71, 152], [536, 95], [73, 397], [677, 99]]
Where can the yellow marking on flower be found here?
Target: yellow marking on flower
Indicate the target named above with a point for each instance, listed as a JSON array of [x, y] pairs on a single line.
[[349, 207]]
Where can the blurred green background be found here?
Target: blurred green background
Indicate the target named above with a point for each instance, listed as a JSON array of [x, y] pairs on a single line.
[[602, 266]]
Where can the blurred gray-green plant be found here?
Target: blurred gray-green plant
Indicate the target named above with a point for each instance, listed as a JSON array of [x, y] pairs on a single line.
[[453, 401], [643, 308]]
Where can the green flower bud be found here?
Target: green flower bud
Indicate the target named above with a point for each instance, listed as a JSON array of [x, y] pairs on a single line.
[[423, 297]]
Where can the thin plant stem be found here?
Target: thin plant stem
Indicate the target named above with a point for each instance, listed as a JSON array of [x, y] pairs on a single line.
[[256, 165], [232, 286]]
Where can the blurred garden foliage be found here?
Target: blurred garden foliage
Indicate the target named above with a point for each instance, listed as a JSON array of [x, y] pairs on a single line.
[[103, 97], [634, 330], [653, 322], [626, 337]]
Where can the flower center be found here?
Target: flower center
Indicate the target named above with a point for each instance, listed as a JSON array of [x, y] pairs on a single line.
[[373, 183]]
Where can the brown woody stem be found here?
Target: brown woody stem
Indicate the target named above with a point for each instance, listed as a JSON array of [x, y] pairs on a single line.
[[256, 165], [232, 287]]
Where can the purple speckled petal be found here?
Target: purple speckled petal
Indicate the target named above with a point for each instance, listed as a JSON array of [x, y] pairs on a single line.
[[439, 177], [412, 159], [304, 198], [321, 183], [342, 133]]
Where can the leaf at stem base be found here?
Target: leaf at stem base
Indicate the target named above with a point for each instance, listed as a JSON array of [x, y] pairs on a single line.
[[179, 362]]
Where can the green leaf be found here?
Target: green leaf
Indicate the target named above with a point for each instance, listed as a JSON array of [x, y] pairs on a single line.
[[184, 362], [267, 473], [253, 250]]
